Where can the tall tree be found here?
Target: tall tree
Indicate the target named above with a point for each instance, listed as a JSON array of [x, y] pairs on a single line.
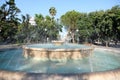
[[95, 19], [25, 30], [46, 27], [115, 16], [8, 20], [84, 26], [40, 28], [106, 28], [52, 12], [55, 27], [70, 20]]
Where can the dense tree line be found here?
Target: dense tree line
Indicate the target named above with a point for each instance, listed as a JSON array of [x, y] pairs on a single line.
[[15, 30], [102, 26], [45, 29], [98, 26]]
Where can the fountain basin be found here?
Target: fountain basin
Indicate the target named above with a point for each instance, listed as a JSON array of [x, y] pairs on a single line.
[[57, 42], [103, 60], [57, 53]]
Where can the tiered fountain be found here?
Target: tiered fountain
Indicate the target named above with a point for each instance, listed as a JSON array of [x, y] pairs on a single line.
[[57, 50]]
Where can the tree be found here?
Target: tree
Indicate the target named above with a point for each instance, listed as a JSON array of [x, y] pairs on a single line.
[[51, 27], [39, 19], [55, 26], [84, 26], [8, 21], [40, 27], [52, 12], [46, 27], [115, 16], [25, 30], [95, 19], [69, 19], [106, 28]]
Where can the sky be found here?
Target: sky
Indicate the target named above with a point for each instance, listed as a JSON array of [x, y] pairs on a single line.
[[33, 7]]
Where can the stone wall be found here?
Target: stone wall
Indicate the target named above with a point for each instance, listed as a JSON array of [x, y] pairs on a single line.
[[57, 54], [106, 75]]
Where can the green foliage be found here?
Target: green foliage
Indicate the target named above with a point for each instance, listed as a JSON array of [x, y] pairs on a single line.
[[95, 26], [25, 30], [8, 21], [52, 12], [100, 25], [49, 27], [84, 26], [115, 16], [69, 20], [39, 19], [46, 27]]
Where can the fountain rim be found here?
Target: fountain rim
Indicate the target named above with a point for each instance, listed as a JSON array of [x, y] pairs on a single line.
[[57, 49]]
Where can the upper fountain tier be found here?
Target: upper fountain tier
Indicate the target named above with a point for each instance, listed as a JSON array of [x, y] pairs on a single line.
[[54, 52], [58, 43]]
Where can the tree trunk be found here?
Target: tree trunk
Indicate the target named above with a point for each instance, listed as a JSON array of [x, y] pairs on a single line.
[[107, 43], [73, 38], [116, 42]]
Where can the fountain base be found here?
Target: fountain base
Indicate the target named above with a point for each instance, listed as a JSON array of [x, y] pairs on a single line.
[[56, 54]]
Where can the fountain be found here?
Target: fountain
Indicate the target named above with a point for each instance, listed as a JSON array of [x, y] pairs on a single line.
[[85, 66], [57, 51]]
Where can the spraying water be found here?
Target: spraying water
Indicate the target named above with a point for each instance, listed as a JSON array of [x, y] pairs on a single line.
[[63, 34]]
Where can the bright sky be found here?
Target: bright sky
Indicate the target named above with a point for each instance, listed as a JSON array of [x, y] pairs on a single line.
[[33, 7]]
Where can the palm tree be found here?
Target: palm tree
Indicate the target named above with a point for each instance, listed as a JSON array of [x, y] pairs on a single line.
[[52, 12]]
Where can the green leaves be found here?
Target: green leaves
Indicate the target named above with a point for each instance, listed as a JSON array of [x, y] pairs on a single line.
[[8, 21], [39, 19], [98, 25], [69, 20], [52, 12]]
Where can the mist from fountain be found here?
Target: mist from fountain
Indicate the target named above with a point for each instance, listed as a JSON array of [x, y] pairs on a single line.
[[63, 34]]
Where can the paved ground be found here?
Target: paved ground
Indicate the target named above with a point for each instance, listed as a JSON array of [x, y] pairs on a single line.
[[10, 46], [112, 47]]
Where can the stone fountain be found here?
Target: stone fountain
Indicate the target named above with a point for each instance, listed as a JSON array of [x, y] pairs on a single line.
[[13, 66], [57, 51]]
